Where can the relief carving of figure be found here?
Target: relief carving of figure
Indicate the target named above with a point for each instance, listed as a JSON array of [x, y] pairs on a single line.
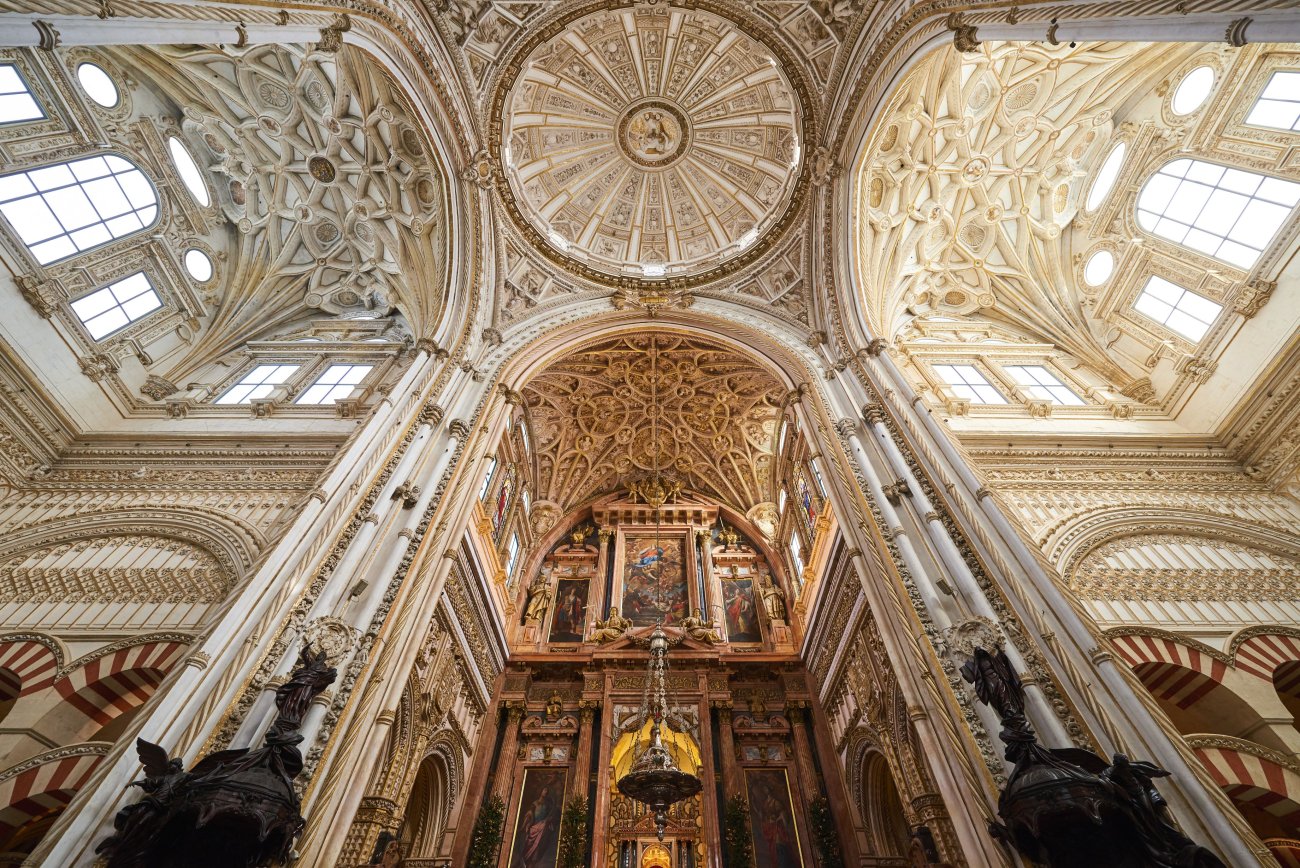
[[611, 628]]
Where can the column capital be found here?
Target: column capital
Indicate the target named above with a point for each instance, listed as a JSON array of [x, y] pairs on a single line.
[[846, 427]]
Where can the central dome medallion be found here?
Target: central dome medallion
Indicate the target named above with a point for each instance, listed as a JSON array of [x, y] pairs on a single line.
[[650, 142]]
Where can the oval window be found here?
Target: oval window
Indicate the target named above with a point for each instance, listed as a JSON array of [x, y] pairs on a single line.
[[1099, 268], [198, 265], [97, 85], [188, 170], [1106, 177], [1193, 90]]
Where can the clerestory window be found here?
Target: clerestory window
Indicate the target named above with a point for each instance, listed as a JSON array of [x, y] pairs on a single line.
[[1278, 105], [1180, 309], [61, 210], [1230, 214], [337, 382], [257, 383], [114, 307], [17, 104], [967, 382], [1040, 383]]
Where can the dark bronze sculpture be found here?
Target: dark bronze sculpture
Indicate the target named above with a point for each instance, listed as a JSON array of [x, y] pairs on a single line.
[[235, 808], [1067, 808]]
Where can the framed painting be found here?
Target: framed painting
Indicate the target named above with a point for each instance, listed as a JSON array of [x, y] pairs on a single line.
[[537, 825], [570, 610], [654, 579], [771, 819], [740, 610]]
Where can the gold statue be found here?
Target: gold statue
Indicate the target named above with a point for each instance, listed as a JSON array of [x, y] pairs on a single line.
[[611, 628], [729, 537], [554, 706], [773, 600], [578, 537], [699, 629], [539, 599]]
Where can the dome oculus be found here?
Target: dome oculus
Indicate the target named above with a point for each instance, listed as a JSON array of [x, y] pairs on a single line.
[[645, 143]]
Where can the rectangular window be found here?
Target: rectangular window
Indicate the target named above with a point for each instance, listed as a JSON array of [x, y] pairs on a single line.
[[1180, 309], [487, 478], [796, 553], [1038, 382], [257, 383], [117, 305], [16, 101], [1278, 105], [337, 382], [512, 555], [969, 383]]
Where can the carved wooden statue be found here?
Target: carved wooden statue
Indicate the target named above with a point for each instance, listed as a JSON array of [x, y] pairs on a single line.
[[1067, 808], [235, 808], [539, 599], [773, 600]]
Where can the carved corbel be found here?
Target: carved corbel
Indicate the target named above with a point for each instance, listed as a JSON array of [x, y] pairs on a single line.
[[963, 34], [331, 37], [896, 491], [98, 366], [1039, 409], [40, 294], [1253, 296], [47, 35], [1235, 35], [158, 388], [407, 493]]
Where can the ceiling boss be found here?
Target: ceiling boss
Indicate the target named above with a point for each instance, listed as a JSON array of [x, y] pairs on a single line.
[[649, 143]]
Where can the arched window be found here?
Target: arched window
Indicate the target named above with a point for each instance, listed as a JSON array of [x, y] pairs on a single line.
[[68, 208], [1229, 214]]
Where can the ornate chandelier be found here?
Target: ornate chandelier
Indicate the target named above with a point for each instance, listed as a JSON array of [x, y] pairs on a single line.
[[656, 780]]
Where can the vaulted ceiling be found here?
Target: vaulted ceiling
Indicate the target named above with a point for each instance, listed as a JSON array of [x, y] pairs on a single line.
[[615, 411]]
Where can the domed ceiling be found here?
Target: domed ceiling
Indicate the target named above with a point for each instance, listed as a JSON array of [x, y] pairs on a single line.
[[650, 142]]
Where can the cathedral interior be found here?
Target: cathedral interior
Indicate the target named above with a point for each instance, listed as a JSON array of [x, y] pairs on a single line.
[[846, 403]]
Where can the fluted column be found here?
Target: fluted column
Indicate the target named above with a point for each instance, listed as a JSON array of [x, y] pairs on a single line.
[[731, 785], [505, 776], [582, 759], [794, 712]]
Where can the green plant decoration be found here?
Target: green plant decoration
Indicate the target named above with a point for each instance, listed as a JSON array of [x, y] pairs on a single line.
[[486, 838], [825, 838], [573, 834], [740, 840]]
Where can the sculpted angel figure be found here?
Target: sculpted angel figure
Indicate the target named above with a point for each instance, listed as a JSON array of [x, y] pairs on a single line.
[[611, 628], [699, 629]]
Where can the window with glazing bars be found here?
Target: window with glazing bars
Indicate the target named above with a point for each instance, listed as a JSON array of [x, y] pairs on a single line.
[[68, 208]]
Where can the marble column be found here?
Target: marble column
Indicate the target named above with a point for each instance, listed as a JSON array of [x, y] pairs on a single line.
[[794, 712]]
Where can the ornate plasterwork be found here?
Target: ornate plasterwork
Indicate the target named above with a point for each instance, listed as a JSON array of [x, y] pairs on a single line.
[[327, 176], [590, 414], [651, 141]]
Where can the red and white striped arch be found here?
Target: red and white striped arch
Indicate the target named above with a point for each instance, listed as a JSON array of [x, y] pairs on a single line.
[[108, 686], [45, 786], [1171, 670], [1256, 781], [33, 665], [1263, 654]]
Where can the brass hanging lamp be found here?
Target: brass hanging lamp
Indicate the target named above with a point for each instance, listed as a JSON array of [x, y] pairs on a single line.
[[656, 779]]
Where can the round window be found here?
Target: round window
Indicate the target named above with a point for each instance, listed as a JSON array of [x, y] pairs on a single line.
[[1106, 177], [1099, 268], [198, 265], [97, 85], [188, 170], [1193, 90]]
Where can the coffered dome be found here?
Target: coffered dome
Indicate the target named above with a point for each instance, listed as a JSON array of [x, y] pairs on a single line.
[[650, 142]]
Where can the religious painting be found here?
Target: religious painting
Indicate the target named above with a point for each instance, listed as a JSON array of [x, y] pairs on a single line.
[[771, 819], [654, 580], [537, 826], [570, 610], [740, 610], [807, 500]]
